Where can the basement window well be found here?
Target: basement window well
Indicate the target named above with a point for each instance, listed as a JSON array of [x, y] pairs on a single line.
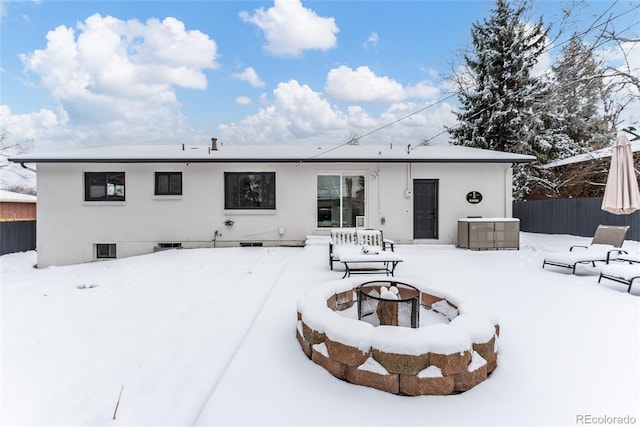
[[105, 250]]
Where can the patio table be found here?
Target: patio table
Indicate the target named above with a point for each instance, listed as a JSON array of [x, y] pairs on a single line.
[[361, 263]]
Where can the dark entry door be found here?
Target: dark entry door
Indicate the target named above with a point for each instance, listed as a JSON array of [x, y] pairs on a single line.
[[425, 208]]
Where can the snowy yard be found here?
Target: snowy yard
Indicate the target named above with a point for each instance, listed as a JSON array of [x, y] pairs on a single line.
[[207, 337]]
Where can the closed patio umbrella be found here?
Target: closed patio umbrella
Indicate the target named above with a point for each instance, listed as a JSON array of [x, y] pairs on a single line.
[[621, 195]]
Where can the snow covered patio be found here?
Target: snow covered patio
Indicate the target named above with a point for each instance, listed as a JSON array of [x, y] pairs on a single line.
[[208, 337]]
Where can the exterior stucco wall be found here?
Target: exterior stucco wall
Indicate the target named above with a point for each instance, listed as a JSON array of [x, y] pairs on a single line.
[[454, 182], [69, 227]]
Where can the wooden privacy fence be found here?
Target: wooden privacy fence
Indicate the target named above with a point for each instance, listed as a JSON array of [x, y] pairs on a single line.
[[17, 236], [577, 217]]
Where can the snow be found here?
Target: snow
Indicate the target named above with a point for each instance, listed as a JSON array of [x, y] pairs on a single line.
[[350, 332], [489, 219], [322, 349], [427, 316], [274, 152], [445, 308], [10, 196], [623, 271], [595, 251], [386, 293], [430, 372], [372, 365], [207, 337], [471, 326], [593, 155], [477, 361]]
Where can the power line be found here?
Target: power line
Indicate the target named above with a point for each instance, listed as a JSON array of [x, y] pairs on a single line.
[[352, 140], [551, 47], [547, 49]]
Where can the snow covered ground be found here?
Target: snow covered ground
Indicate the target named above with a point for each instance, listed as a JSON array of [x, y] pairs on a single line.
[[207, 337]]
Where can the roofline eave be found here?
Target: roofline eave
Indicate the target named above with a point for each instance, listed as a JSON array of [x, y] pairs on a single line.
[[261, 160]]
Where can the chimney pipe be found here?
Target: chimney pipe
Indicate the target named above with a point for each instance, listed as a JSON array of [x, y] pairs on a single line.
[[214, 144]]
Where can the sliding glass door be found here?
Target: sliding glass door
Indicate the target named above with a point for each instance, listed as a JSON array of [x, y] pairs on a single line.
[[340, 200]]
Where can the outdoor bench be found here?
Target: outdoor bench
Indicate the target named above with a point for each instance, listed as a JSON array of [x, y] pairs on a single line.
[[352, 241], [370, 263]]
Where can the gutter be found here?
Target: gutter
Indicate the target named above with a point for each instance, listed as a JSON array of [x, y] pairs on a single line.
[[261, 160]]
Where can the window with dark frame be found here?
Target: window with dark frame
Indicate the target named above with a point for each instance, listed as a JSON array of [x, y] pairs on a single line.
[[170, 245], [168, 184], [105, 250], [249, 190], [104, 186]]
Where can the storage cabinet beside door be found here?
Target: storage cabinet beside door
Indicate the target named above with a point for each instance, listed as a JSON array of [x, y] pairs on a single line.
[[489, 233]]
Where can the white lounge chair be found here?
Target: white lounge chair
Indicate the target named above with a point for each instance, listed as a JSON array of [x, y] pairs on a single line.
[[625, 270], [605, 246], [627, 274], [631, 258]]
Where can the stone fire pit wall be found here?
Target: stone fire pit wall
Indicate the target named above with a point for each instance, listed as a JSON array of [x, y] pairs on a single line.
[[438, 359]]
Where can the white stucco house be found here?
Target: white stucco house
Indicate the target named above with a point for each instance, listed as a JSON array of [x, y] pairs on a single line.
[[121, 201]]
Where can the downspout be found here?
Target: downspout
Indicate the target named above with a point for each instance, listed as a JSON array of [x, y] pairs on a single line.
[[508, 190], [28, 168]]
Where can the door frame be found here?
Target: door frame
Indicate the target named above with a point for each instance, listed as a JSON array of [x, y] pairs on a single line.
[[436, 183]]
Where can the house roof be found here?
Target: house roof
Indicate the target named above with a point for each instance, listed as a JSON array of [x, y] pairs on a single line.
[[274, 153], [10, 196], [592, 155]]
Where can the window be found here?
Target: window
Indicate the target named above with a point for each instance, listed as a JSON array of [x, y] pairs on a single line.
[[105, 250], [340, 200], [104, 186], [168, 183], [249, 190], [170, 245]]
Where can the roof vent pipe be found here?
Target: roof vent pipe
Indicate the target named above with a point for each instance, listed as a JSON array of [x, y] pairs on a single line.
[[214, 144]]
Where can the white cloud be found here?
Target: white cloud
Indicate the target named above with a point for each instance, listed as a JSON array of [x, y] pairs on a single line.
[[545, 60], [289, 28], [243, 100], [422, 90], [372, 42], [360, 118], [22, 127], [116, 79], [307, 111], [363, 85], [297, 114], [250, 76]]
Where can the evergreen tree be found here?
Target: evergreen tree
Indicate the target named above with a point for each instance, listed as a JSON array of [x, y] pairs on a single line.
[[576, 121], [500, 105]]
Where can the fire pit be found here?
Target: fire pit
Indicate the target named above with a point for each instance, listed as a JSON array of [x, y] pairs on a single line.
[[450, 346], [389, 303]]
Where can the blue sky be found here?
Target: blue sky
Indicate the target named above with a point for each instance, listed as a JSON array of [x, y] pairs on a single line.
[[85, 73]]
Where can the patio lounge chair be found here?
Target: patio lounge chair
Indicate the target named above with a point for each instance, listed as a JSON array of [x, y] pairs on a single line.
[[630, 258], [606, 242], [626, 272]]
